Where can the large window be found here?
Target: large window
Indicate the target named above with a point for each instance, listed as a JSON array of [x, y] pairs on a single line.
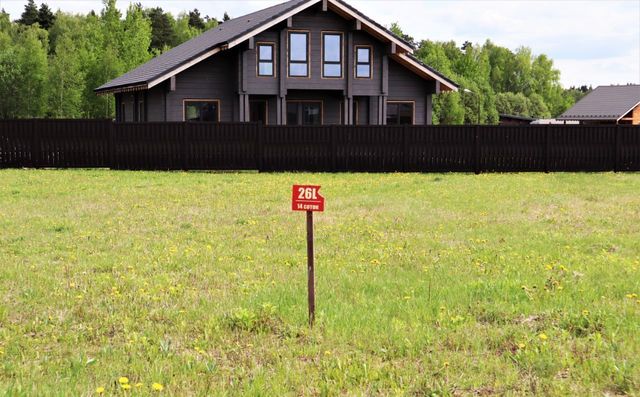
[[266, 56], [363, 62], [298, 54], [202, 110], [332, 55], [304, 113], [400, 113]]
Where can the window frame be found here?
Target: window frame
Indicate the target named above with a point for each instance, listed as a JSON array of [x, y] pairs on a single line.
[[358, 63], [300, 102], [307, 33], [259, 60], [400, 102], [322, 54], [184, 109]]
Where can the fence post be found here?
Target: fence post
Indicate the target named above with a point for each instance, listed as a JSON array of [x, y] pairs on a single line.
[[111, 145], [334, 148], [405, 148], [35, 144], [185, 145], [547, 148], [477, 167], [618, 149], [259, 130]]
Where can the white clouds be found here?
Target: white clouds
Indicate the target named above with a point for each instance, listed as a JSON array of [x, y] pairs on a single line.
[[592, 42]]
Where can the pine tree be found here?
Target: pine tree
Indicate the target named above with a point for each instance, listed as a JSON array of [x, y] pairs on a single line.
[[195, 20], [45, 17], [30, 14], [162, 33], [226, 17]]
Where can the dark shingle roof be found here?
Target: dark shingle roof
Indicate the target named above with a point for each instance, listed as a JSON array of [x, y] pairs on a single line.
[[199, 45], [605, 103]]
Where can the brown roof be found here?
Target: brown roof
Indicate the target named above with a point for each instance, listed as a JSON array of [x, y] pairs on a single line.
[[607, 103]]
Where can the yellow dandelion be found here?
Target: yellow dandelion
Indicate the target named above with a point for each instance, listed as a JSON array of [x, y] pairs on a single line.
[[585, 313], [123, 380], [543, 337], [522, 345], [100, 390], [139, 384], [446, 364], [126, 387], [157, 387]]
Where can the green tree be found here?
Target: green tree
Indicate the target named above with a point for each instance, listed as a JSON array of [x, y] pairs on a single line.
[[447, 109], [66, 81], [31, 55], [30, 14], [9, 79], [136, 38], [226, 17]]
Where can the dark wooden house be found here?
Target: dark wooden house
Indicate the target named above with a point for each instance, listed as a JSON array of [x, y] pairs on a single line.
[[303, 62]]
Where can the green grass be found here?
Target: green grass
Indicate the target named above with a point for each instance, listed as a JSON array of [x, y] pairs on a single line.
[[427, 284]]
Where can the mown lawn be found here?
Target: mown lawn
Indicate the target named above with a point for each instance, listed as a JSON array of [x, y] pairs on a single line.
[[427, 284]]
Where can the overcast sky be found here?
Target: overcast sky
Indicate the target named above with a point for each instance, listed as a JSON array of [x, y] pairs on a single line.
[[592, 42]]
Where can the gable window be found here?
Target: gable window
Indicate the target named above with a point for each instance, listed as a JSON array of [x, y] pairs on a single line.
[[332, 55], [266, 58], [298, 54], [202, 110], [304, 113], [363, 62], [400, 113]]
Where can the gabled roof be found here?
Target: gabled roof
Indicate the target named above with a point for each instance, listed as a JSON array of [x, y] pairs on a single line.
[[605, 103], [238, 30]]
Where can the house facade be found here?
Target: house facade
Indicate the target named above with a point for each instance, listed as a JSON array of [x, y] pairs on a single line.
[[303, 62]]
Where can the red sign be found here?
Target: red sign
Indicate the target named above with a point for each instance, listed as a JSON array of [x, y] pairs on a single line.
[[307, 198]]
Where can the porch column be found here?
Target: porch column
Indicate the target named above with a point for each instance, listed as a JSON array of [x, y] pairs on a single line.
[[429, 110]]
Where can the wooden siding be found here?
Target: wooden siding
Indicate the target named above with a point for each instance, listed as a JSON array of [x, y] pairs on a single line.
[[214, 78], [156, 104], [406, 86]]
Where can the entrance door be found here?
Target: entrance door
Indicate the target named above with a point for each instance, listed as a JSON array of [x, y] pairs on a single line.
[[258, 111]]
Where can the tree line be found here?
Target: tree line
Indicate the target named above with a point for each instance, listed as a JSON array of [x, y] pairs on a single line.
[[50, 63]]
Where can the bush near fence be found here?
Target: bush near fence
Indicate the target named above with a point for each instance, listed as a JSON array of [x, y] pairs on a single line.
[[252, 146]]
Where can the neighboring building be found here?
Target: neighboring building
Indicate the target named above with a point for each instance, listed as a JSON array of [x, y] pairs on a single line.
[[510, 119], [553, 122], [614, 104], [303, 62]]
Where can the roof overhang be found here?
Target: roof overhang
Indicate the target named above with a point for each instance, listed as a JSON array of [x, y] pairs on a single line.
[[627, 112], [424, 72]]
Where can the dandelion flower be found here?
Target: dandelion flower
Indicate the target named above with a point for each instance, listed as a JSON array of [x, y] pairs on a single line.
[[139, 384], [446, 364], [157, 387], [125, 387], [521, 345], [543, 337], [100, 390], [585, 313], [123, 380]]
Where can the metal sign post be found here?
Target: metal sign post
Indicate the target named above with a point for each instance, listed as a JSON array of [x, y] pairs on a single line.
[[306, 198]]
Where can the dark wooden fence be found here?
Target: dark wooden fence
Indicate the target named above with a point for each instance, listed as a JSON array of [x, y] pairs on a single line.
[[246, 146]]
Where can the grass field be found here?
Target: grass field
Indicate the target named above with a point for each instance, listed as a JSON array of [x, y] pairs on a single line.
[[427, 285]]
